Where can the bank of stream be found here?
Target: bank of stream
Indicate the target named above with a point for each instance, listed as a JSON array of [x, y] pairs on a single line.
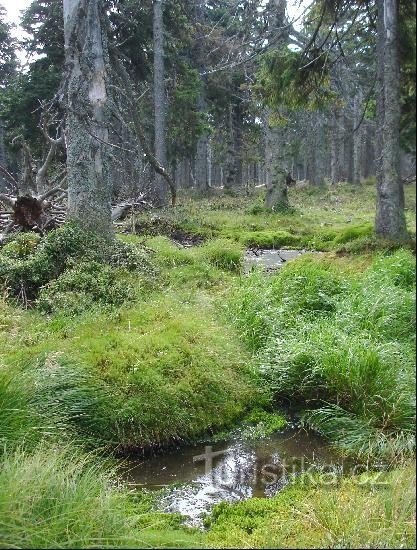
[[191, 480]]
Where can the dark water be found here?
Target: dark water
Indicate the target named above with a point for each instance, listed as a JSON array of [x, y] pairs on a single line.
[[229, 472]]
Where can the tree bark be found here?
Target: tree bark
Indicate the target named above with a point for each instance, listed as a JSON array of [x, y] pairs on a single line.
[[86, 55], [336, 151], [357, 138], [276, 174], [159, 98], [390, 218], [201, 164], [315, 150], [234, 161]]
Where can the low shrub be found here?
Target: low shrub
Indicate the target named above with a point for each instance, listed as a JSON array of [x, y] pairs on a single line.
[[85, 285], [24, 276], [22, 246]]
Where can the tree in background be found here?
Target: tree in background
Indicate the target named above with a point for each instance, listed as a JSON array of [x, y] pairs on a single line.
[[246, 97]]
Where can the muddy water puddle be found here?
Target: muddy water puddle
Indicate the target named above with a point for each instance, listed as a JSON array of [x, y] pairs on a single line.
[[270, 260], [197, 478]]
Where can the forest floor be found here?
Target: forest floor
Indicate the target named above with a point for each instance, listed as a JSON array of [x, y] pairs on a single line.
[[169, 341]]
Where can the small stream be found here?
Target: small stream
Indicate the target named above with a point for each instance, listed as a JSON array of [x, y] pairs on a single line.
[[196, 478], [269, 260]]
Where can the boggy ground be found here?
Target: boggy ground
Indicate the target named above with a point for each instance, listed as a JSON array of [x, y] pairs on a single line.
[[156, 343]]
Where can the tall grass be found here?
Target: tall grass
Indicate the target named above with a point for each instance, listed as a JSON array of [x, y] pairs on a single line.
[[56, 497], [341, 347]]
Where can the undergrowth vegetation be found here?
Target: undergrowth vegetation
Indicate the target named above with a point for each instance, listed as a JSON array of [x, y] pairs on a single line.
[[340, 347], [337, 217], [159, 338], [60, 498], [367, 511], [28, 264]]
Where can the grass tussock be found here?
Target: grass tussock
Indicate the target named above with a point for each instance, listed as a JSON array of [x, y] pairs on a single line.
[[340, 348], [146, 376], [59, 498]]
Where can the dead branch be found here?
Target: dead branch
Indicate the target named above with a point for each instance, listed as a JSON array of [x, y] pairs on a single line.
[[9, 177], [51, 193], [134, 113], [8, 201]]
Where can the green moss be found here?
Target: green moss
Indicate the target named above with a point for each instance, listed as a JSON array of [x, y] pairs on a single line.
[[269, 239], [259, 424], [164, 370], [354, 513], [353, 233]]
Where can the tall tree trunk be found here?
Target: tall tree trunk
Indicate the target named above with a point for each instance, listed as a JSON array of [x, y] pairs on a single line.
[[275, 160], [159, 99], [238, 143], [201, 165], [315, 150], [234, 162], [357, 138], [201, 161], [390, 218], [336, 151], [4, 183], [369, 156], [86, 55], [348, 149]]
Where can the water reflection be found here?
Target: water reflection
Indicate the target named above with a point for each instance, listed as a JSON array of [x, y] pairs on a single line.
[[230, 471]]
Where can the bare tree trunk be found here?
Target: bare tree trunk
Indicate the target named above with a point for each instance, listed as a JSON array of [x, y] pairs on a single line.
[[234, 162], [201, 161], [348, 149], [89, 189], [4, 182], [315, 151], [209, 164], [390, 218], [159, 98], [275, 157], [357, 138], [369, 156], [335, 148]]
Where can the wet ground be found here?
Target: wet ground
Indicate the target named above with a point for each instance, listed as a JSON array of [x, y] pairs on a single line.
[[269, 260], [196, 478]]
